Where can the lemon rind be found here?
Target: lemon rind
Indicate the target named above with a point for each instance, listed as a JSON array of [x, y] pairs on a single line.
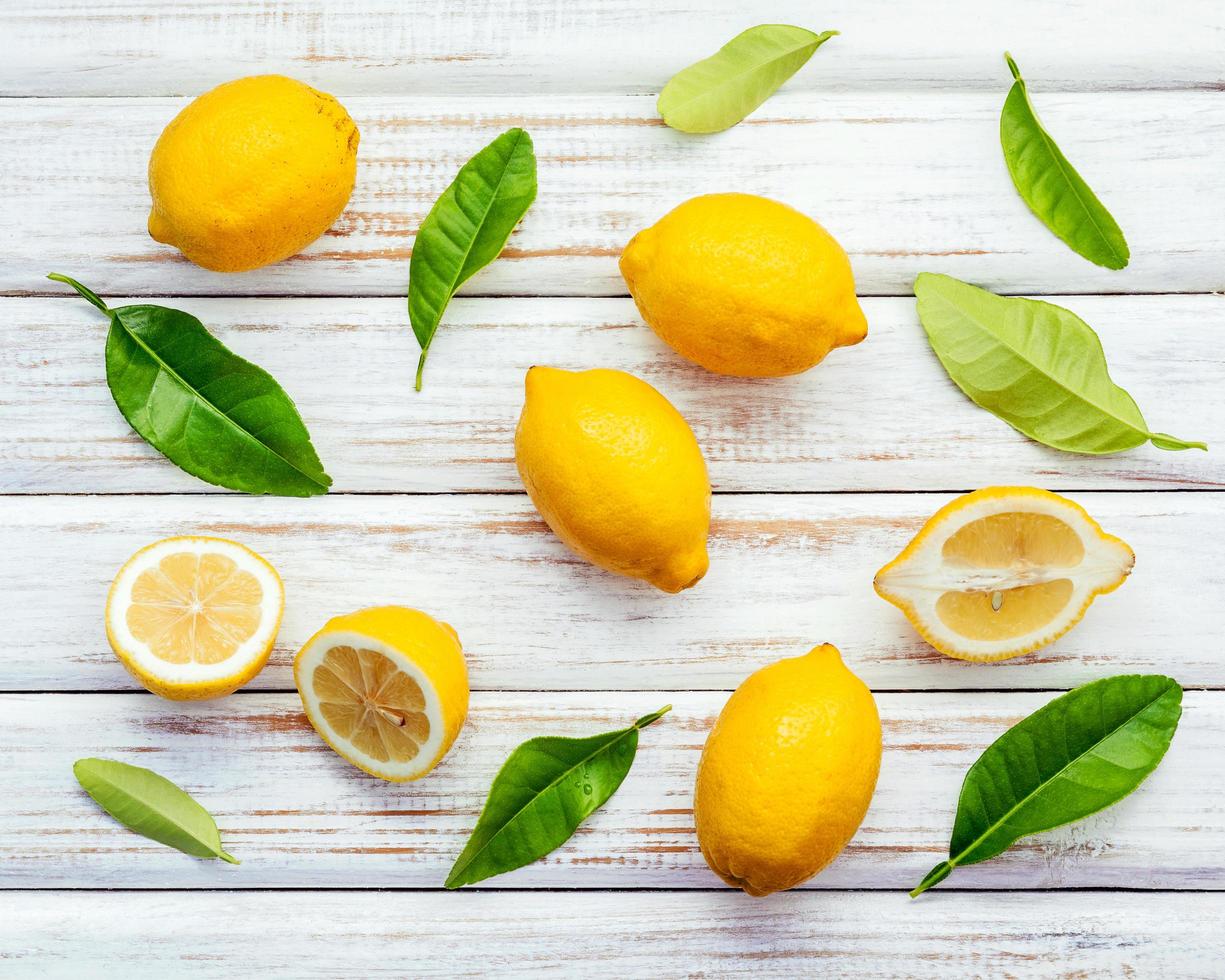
[[193, 681], [1107, 562], [432, 750]]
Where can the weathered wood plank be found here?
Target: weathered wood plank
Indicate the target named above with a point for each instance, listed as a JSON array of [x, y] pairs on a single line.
[[141, 47], [787, 572], [908, 182], [879, 416], [709, 934], [297, 815]]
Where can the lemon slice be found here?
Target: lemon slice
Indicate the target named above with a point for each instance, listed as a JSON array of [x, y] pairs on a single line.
[[1003, 571], [387, 688], [194, 617]]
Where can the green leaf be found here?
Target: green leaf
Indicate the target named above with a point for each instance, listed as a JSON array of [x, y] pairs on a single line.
[[1050, 185], [717, 92], [542, 793], [467, 229], [1080, 753], [152, 806], [1037, 366], [207, 410]]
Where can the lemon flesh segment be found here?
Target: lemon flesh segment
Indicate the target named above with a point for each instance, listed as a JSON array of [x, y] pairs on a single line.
[[386, 688], [1003, 571], [194, 617]]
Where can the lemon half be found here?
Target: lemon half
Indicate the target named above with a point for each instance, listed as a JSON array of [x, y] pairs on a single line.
[[1003, 571], [194, 617], [386, 688]]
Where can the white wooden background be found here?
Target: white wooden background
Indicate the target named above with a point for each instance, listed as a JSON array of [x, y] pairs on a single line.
[[889, 137]]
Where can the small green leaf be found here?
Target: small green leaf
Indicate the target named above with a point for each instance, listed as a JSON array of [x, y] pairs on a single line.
[[152, 806], [717, 92], [1050, 185], [467, 229], [1080, 753], [207, 410], [542, 793], [1037, 366]]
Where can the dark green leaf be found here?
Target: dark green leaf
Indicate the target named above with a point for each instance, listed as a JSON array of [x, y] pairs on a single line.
[[203, 407], [1081, 753], [717, 92], [1050, 185], [1037, 366], [467, 229], [542, 793], [152, 806]]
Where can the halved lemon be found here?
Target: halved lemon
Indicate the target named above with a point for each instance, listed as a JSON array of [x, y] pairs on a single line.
[[1003, 571], [194, 617], [387, 688]]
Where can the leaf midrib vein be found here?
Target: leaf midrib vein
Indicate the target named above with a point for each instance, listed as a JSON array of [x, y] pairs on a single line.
[[200, 397], [1063, 769], [1070, 178], [546, 788], [982, 325]]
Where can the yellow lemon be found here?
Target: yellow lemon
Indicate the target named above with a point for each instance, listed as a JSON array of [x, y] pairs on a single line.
[[743, 285], [615, 471], [1003, 571], [787, 772], [194, 617], [386, 688], [251, 172]]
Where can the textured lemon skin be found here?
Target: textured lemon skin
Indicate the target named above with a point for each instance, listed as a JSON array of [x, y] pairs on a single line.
[[744, 285], [617, 474], [429, 643], [949, 511], [787, 772], [196, 690], [251, 173]]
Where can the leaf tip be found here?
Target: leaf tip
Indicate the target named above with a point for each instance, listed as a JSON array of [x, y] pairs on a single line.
[[1012, 67]]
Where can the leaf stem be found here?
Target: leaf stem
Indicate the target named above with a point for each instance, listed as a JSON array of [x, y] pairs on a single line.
[[1163, 441], [228, 858], [1012, 67], [89, 294], [653, 717], [421, 365], [934, 877]]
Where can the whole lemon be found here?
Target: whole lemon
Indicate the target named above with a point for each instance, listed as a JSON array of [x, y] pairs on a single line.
[[251, 172], [787, 772], [743, 285], [615, 471]]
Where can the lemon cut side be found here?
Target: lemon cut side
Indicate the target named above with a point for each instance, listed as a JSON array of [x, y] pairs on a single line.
[[194, 617], [1003, 571], [386, 688]]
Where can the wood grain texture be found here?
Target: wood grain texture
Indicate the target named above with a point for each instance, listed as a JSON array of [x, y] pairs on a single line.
[[297, 815], [787, 572], [143, 47], [707, 934], [879, 416], [907, 181]]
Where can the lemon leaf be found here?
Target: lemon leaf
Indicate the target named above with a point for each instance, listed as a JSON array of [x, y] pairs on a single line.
[[717, 92], [467, 228], [1050, 185], [544, 790], [209, 411], [1080, 753], [1037, 366], [152, 806]]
